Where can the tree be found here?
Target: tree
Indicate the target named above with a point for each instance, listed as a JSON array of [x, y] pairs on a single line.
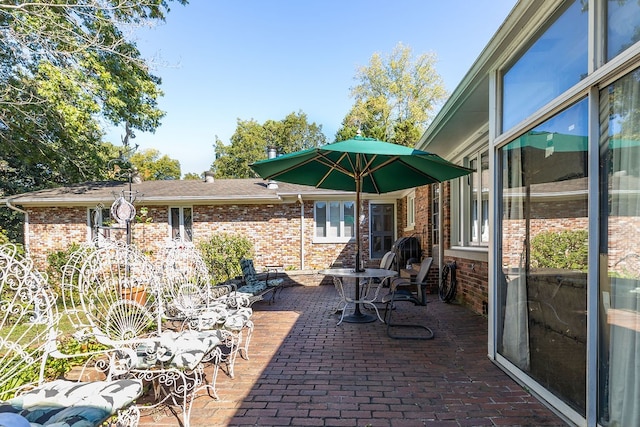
[[192, 176], [395, 98], [152, 166], [250, 141], [66, 68]]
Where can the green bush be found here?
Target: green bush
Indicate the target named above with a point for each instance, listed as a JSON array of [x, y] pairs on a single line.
[[566, 249], [4, 237], [222, 254], [55, 264]]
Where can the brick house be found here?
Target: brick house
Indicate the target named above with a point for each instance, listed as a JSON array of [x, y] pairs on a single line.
[[299, 227]]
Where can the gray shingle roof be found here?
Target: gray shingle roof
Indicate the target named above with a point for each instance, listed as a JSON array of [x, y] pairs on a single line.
[[166, 192]]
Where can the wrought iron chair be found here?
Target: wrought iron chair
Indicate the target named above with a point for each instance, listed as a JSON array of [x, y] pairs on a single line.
[[408, 290], [189, 297], [119, 296], [28, 338]]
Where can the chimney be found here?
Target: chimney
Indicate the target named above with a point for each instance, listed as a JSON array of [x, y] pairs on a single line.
[[136, 178], [208, 176], [272, 153]]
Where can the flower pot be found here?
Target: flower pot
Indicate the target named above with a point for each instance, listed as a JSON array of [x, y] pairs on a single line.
[[137, 294]]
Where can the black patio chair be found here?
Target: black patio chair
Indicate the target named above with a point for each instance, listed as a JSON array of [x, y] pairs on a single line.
[[408, 290]]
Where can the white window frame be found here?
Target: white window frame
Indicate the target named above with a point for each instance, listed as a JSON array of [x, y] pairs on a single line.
[[411, 211], [464, 207], [181, 228], [102, 216], [436, 214], [332, 239]]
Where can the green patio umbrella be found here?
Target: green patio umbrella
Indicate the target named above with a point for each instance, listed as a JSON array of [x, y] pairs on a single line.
[[362, 165]]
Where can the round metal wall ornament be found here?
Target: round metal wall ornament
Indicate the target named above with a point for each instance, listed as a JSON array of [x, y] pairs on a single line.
[[122, 210]]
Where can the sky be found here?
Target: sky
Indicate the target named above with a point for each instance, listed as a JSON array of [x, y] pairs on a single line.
[[224, 60]]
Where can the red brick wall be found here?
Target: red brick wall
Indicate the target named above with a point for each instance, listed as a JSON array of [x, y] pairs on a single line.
[[276, 240]]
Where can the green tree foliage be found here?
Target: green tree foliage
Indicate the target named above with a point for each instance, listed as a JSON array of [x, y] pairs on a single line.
[[152, 166], [192, 176], [66, 68], [396, 97], [250, 141]]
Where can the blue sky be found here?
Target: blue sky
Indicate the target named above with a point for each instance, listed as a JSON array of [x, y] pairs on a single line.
[[264, 59]]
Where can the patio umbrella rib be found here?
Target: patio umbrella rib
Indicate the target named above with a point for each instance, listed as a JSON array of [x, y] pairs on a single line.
[[421, 172], [333, 166], [275, 175]]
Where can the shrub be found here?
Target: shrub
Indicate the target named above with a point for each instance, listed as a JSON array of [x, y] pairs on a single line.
[[55, 265], [566, 249], [222, 254]]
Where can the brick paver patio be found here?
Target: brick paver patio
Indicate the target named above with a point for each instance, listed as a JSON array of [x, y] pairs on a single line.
[[304, 370]]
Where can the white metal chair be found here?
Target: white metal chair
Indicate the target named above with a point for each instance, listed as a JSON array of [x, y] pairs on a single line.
[[189, 297], [368, 284], [119, 295], [28, 338]]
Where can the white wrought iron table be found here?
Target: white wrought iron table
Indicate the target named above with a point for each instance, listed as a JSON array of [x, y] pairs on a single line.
[[358, 316]]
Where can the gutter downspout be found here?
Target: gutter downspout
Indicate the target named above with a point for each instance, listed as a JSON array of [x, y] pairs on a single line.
[[301, 231], [26, 223]]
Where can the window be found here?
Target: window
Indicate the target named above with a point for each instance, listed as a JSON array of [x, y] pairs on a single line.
[[180, 222], [411, 211], [544, 222], [556, 61], [334, 221], [473, 229], [619, 279], [479, 203], [622, 26], [100, 222], [435, 214]]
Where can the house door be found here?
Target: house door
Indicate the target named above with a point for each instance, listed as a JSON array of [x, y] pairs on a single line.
[[382, 235]]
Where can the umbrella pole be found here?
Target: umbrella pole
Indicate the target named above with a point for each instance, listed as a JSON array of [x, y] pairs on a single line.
[[357, 225]]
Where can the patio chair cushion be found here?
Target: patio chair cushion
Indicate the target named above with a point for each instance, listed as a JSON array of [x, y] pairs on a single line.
[[180, 350], [221, 316], [251, 277], [254, 288], [274, 282], [12, 419], [68, 403]]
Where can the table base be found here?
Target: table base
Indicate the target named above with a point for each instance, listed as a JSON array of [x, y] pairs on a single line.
[[359, 318]]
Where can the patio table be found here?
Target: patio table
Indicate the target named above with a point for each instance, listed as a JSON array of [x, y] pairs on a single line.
[[358, 316]]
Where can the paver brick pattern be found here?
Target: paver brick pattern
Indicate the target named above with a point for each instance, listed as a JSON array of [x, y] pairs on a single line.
[[303, 370]]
